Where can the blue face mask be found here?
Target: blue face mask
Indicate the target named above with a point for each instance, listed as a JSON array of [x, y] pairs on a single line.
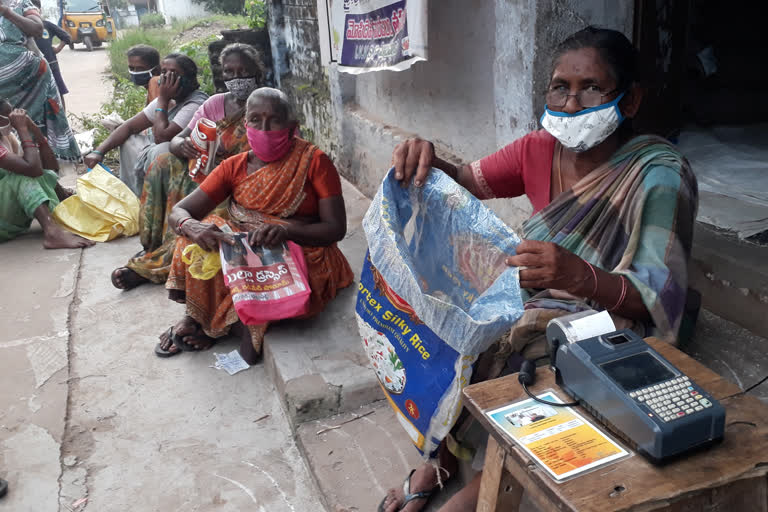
[[586, 128], [141, 77]]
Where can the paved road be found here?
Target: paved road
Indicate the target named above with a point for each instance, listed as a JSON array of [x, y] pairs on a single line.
[[88, 411], [84, 73]]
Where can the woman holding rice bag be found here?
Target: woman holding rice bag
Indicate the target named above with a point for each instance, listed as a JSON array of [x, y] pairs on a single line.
[[611, 230], [168, 179], [284, 189]]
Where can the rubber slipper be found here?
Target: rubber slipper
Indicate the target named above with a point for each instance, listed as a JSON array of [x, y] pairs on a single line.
[[181, 344], [3, 487], [159, 352], [186, 347], [421, 495]]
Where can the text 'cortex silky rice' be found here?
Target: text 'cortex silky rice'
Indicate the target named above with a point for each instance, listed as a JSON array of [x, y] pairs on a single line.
[[425, 315]]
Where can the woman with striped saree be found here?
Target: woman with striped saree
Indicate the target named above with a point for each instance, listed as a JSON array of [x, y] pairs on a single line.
[[612, 226]]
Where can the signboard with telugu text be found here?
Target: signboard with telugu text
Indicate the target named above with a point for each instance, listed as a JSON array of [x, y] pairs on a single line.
[[375, 35]]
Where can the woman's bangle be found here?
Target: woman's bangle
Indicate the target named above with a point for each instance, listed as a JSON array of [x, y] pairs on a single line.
[[181, 223], [97, 152], [622, 296], [158, 109], [29, 144], [594, 276]]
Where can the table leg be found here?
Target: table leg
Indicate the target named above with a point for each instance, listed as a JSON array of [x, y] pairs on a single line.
[[498, 489]]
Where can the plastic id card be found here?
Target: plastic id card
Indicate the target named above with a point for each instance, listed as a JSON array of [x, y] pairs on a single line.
[[559, 439]]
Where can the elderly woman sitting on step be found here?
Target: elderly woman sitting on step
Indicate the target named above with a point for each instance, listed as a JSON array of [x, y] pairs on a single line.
[[284, 188], [612, 225]]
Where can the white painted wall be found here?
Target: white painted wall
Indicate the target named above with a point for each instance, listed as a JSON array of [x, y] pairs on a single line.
[[448, 99], [180, 9], [128, 17], [50, 10]]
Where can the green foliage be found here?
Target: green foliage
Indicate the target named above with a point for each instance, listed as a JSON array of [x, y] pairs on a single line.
[[231, 21], [154, 19], [156, 38], [198, 51], [257, 14], [127, 101], [223, 6]]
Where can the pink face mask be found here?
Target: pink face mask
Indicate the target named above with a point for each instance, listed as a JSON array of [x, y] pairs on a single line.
[[270, 146]]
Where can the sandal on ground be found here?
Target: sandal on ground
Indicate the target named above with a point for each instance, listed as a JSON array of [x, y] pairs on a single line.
[[129, 277], [3, 487], [421, 495], [159, 352]]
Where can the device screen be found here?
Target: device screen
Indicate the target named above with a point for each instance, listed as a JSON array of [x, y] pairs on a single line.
[[637, 371]]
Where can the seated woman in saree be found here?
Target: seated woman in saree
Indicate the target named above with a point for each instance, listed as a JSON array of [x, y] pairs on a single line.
[[611, 230], [179, 88], [26, 80], [168, 178], [29, 186], [284, 188]]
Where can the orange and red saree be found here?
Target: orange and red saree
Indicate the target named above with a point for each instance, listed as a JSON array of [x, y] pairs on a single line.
[[272, 194]]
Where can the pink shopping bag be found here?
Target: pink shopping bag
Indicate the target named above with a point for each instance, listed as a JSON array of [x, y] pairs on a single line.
[[266, 283]]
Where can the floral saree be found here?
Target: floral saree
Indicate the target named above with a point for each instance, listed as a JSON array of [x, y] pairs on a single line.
[[167, 182]]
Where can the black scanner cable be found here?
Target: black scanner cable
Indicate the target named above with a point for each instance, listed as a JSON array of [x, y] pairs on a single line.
[[527, 376]]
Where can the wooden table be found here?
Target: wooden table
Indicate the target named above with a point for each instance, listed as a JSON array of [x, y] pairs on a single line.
[[730, 477]]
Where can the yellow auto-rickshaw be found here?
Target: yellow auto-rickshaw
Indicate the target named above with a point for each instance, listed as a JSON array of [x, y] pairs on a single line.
[[88, 22]]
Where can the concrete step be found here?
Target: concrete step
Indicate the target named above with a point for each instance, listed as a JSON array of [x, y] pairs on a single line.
[[732, 351], [368, 453], [318, 365], [357, 456], [732, 276]]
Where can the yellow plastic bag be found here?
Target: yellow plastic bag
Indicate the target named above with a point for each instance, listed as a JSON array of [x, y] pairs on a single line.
[[203, 265], [103, 209]]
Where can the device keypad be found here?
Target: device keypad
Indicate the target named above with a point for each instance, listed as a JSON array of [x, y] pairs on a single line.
[[672, 399]]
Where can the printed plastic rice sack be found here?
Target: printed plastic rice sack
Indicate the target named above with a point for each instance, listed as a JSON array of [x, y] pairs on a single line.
[[434, 293], [266, 283]]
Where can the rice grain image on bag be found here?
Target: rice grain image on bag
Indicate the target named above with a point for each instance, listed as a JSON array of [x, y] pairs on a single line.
[[434, 293]]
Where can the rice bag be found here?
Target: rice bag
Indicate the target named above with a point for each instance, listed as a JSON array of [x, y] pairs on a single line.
[[434, 293]]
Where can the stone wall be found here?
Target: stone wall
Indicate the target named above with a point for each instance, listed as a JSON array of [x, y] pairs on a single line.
[[259, 39], [294, 36], [482, 87]]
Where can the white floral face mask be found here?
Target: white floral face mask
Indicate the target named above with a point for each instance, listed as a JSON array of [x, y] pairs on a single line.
[[241, 88], [586, 128]]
